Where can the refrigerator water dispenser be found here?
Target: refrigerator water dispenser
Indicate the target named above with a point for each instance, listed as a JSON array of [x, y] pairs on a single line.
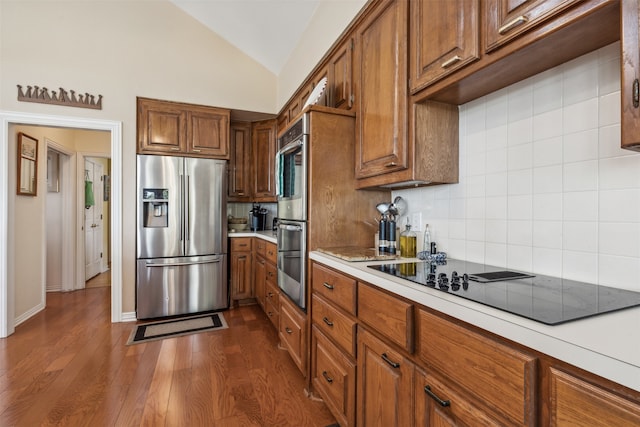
[[156, 207]]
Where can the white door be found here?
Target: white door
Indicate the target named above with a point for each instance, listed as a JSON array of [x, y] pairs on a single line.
[[93, 174]]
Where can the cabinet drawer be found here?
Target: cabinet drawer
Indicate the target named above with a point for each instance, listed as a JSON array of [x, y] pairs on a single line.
[[334, 377], [486, 369], [271, 273], [272, 294], [241, 244], [335, 287], [271, 253], [576, 402], [387, 315], [271, 309], [292, 333], [436, 402], [336, 325], [261, 247]]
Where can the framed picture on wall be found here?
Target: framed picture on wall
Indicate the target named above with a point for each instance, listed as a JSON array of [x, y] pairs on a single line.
[[27, 165]]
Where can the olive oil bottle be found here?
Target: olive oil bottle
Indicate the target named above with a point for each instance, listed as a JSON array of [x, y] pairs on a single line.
[[408, 243]]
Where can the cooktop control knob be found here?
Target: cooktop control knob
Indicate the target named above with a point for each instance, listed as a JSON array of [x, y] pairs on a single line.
[[431, 280]]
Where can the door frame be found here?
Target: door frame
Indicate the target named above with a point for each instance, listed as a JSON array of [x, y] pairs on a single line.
[[67, 171], [7, 292], [80, 241]]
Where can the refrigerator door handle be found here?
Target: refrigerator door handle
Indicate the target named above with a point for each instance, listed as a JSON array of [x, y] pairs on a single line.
[[175, 264], [181, 210], [187, 205]]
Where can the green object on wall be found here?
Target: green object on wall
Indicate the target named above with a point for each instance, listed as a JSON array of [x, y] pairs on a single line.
[[88, 194]]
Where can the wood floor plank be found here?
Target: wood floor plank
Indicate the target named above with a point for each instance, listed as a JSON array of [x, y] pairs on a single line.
[[69, 366]]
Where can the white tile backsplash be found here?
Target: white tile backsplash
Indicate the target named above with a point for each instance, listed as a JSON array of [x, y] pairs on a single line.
[[544, 185]]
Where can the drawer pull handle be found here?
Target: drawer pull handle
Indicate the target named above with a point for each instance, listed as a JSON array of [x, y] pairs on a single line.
[[636, 93], [327, 377], [288, 330], [328, 286], [327, 321], [449, 62], [390, 165], [270, 294], [391, 363], [196, 151], [512, 24], [270, 314], [443, 403]]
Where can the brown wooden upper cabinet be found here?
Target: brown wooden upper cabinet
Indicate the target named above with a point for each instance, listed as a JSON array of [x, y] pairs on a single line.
[[444, 38], [507, 19], [382, 90], [263, 154], [174, 128], [240, 162], [340, 85], [630, 86]]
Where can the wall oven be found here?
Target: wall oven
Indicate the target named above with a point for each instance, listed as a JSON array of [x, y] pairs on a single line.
[[291, 190]]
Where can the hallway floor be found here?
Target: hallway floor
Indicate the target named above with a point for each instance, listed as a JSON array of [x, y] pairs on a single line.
[[69, 366]]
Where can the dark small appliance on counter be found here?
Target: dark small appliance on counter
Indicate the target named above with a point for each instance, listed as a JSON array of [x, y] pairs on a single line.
[[257, 218]]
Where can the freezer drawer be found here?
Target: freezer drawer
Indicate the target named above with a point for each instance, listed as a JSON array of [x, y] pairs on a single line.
[[182, 285]]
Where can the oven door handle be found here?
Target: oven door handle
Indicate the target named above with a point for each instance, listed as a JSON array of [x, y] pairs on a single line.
[[289, 227], [290, 147]]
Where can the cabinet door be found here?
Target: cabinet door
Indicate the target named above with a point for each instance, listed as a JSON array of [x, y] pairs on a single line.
[[259, 274], [241, 275], [264, 153], [162, 127], [575, 402], [444, 38], [385, 380], [341, 77], [333, 376], [505, 20], [239, 184], [381, 119], [293, 333], [436, 404], [630, 85], [208, 132]]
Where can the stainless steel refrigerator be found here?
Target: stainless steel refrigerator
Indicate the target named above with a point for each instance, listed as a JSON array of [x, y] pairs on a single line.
[[181, 247]]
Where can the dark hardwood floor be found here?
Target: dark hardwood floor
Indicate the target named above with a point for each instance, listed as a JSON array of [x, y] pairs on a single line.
[[69, 366]]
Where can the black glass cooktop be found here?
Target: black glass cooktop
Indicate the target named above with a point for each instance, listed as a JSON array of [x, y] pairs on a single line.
[[545, 299]]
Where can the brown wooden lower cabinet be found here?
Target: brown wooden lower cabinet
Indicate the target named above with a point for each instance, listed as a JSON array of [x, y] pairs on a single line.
[[293, 333], [333, 376], [241, 268], [459, 375], [437, 404], [577, 402], [385, 383]]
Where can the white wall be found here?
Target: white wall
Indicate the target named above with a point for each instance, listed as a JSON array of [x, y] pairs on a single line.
[[122, 50], [28, 215], [327, 24], [544, 185]]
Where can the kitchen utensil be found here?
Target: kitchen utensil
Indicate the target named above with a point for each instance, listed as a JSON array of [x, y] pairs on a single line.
[[383, 208]]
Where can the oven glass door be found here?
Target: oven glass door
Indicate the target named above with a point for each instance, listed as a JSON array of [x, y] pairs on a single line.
[[291, 172], [291, 260]]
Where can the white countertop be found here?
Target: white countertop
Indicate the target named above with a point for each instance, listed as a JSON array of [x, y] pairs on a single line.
[[607, 345], [269, 235]]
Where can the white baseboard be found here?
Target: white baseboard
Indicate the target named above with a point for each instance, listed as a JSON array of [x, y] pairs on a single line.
[[29, 314], [128, 317]]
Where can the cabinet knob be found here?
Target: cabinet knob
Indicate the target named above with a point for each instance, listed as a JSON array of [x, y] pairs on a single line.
[[288, 330]]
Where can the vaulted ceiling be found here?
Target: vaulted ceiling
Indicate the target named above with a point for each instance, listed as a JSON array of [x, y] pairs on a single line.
[[266, 30]]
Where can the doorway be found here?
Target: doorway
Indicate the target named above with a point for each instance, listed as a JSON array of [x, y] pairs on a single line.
[[7, 287]]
